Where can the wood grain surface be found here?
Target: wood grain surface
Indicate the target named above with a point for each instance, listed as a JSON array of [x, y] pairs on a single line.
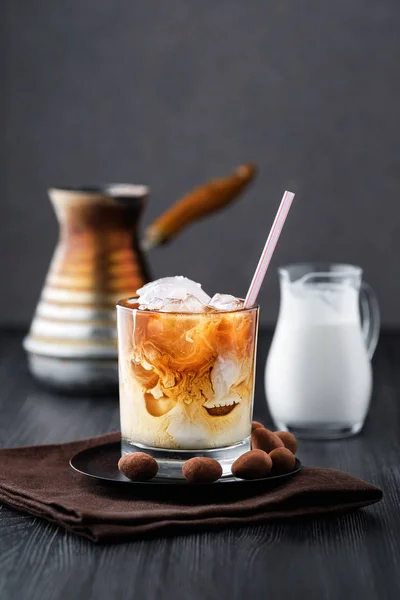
[[354, 556]]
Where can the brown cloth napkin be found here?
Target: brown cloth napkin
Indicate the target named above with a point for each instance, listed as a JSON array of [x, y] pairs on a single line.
[[38, 480]]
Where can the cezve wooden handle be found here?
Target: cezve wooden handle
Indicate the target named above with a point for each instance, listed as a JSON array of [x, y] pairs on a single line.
[[198, 203]]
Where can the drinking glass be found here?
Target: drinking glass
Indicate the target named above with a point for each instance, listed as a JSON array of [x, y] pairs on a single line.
[[186, 383]]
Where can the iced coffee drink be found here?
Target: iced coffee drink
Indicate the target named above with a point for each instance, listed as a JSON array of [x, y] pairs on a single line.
[[186, 369]]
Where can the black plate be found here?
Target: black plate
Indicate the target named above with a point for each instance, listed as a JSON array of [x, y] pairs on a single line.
[[101, 463]]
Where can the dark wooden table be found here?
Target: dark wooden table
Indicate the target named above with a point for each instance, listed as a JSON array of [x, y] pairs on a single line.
[[352, 556]]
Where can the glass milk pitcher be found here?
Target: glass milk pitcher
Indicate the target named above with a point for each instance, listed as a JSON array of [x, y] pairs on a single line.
[[318, 376]]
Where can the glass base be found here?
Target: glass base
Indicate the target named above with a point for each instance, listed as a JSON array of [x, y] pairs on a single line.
[[321, 431], [170, 462]]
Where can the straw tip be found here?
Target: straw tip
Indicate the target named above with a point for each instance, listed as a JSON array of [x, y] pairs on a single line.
[[269, 249]]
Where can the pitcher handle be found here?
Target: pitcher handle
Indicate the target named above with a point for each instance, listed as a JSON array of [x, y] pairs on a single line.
[[370, 317]]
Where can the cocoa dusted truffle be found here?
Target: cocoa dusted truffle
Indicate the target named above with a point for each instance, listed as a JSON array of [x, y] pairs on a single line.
[[254, 464], [283, 461], [263, 439], [201, 470], [138, 466], [256, 425], [288, 439]]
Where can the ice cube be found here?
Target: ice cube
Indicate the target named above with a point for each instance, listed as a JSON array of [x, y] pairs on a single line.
[[188, 304], [192, 304], [171, 288], [225, 302], [224, 375], [152, 304]]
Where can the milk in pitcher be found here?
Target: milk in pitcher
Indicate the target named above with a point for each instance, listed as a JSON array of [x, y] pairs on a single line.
[[318, 375]]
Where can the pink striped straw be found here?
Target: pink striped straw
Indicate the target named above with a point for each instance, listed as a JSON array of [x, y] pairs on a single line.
[[269, 248]]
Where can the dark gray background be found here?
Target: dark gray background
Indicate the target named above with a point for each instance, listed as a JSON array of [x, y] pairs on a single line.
[[172, 93]]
